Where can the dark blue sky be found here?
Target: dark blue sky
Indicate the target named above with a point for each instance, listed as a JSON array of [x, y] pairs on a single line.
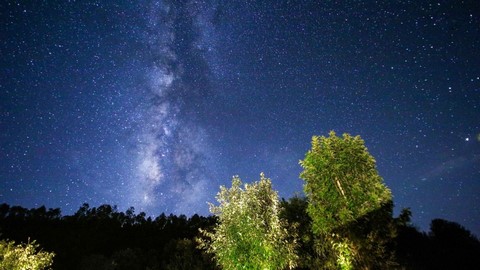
[[154, 104]]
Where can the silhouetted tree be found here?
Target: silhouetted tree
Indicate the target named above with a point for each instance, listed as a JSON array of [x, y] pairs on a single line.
[[104, 238], [454, 247], [294, 211]]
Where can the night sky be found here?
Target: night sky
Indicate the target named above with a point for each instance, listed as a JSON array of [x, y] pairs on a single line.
[[155, 104]]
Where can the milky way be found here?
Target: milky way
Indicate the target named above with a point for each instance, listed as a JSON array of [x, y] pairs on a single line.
[[154, 104], [173, 149]]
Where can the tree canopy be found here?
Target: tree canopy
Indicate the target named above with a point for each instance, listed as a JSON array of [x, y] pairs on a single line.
[[348, 203], [250, 233], [341, 181], [24, 256]]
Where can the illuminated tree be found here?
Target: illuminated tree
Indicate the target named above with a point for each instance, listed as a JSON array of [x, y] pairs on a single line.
[[23, 256], [348, 203], [250, 233]]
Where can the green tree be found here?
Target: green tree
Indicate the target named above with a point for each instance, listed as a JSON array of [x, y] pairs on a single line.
[[23, 256], [349, 204], [250, 233]]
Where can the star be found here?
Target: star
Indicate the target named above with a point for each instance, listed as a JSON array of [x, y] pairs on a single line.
[[159, 107]]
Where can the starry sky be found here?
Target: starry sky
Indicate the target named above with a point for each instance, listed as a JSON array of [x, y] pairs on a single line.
[[154, 104]]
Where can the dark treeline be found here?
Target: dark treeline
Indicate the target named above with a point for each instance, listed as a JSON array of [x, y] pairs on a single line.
[[105, 238]]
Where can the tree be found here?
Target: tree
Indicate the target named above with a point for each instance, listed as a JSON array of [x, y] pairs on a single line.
[[23, 256], [348, 203], [294, 210], [250, 233], [453, 246], [181, 254]]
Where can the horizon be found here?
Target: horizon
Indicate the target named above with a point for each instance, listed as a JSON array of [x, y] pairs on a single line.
[[155, 104]]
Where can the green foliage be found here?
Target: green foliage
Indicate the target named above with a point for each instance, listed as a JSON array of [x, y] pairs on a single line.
[[344, 254], [341, 181], [349, 205], [23, 256], [250, 233]]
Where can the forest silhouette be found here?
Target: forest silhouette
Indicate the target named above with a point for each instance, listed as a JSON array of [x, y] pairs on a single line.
[[104, 238]]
